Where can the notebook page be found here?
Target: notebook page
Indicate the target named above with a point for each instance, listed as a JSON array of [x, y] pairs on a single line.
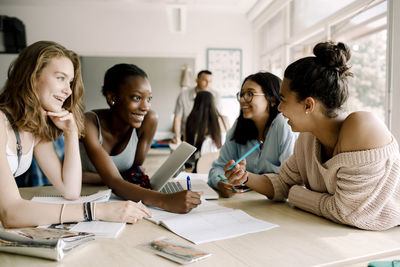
[[212, 226], [99, 228]]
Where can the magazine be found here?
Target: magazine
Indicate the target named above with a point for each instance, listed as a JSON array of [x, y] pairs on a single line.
[[42, 242]]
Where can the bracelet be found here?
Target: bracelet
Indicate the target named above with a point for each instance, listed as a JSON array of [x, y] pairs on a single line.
[[61, 213], [247, 179], [89, 209], [85, 217], [87, 212]]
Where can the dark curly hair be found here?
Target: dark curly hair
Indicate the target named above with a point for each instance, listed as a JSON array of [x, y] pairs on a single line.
[[323, 76]]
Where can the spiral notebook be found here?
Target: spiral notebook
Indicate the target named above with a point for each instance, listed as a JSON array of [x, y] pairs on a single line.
[[101, 196]]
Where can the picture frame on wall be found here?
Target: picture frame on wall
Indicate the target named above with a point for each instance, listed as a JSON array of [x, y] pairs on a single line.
[[226, 66]]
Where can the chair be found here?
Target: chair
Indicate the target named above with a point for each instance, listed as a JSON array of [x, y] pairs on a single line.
[[205, 161]]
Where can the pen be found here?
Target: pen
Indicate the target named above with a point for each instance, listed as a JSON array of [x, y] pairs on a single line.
[[189, 186], [224, 180], [245, 155]]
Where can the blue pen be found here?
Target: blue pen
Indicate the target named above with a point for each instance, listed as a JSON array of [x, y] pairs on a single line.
[[189, 186], [245, 155]]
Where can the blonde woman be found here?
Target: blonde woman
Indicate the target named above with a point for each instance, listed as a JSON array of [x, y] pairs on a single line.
[[41, 100]]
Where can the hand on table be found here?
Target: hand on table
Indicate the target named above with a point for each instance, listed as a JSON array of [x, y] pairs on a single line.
[[121, 211]]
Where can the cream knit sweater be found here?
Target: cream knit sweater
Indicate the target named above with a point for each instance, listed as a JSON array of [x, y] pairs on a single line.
[[360, 188]]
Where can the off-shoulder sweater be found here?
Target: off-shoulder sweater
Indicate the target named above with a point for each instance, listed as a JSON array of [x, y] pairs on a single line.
[[360, 188]]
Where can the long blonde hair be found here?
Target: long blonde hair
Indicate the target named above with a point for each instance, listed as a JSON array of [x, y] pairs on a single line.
[[20, 97]]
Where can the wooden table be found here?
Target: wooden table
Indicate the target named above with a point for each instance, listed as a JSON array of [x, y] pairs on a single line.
[[302, 239]]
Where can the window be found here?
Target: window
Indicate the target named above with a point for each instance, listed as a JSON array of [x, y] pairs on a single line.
[[272, 62], [365, 33], [361, 25], [306, 13], [367, 88]]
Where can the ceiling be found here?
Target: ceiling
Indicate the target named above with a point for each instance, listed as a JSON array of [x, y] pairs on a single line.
[[228, 6]]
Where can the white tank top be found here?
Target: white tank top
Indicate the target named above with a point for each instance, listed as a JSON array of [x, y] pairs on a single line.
[[24, 164], [12, 158]]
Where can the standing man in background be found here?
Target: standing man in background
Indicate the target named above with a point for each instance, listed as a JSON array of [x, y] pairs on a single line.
[[185, 101]]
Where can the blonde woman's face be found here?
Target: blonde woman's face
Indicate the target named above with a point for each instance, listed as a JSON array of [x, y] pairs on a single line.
[[53, 85]]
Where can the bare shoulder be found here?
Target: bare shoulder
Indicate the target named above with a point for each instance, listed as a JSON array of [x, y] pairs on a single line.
[[150, 120], [362, 131], [149, 124], [91, 126], [91, 116], [151, 116]]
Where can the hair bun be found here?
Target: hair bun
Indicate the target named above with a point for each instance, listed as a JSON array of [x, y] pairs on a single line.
[[333, 55]]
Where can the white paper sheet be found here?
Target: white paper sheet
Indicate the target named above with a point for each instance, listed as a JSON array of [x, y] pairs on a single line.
[[210, 222]]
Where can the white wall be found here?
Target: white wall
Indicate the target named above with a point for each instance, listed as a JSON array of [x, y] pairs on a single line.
[[125, 30], [110, 29]]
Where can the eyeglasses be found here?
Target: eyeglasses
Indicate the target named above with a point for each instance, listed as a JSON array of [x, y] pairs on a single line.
[[248, 96]]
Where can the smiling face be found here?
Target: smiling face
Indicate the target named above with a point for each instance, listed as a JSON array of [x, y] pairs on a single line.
[[258, 107], [291, 108], [53, 83], [133, 100]]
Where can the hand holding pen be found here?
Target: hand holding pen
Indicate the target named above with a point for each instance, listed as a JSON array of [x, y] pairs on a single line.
[[225, 188], [236, 175], [235, 171]]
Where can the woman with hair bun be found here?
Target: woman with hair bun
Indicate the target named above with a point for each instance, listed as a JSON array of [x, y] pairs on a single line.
[[344, 168]]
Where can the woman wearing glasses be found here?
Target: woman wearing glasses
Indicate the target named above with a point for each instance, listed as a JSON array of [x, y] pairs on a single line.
[[259, 120]]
